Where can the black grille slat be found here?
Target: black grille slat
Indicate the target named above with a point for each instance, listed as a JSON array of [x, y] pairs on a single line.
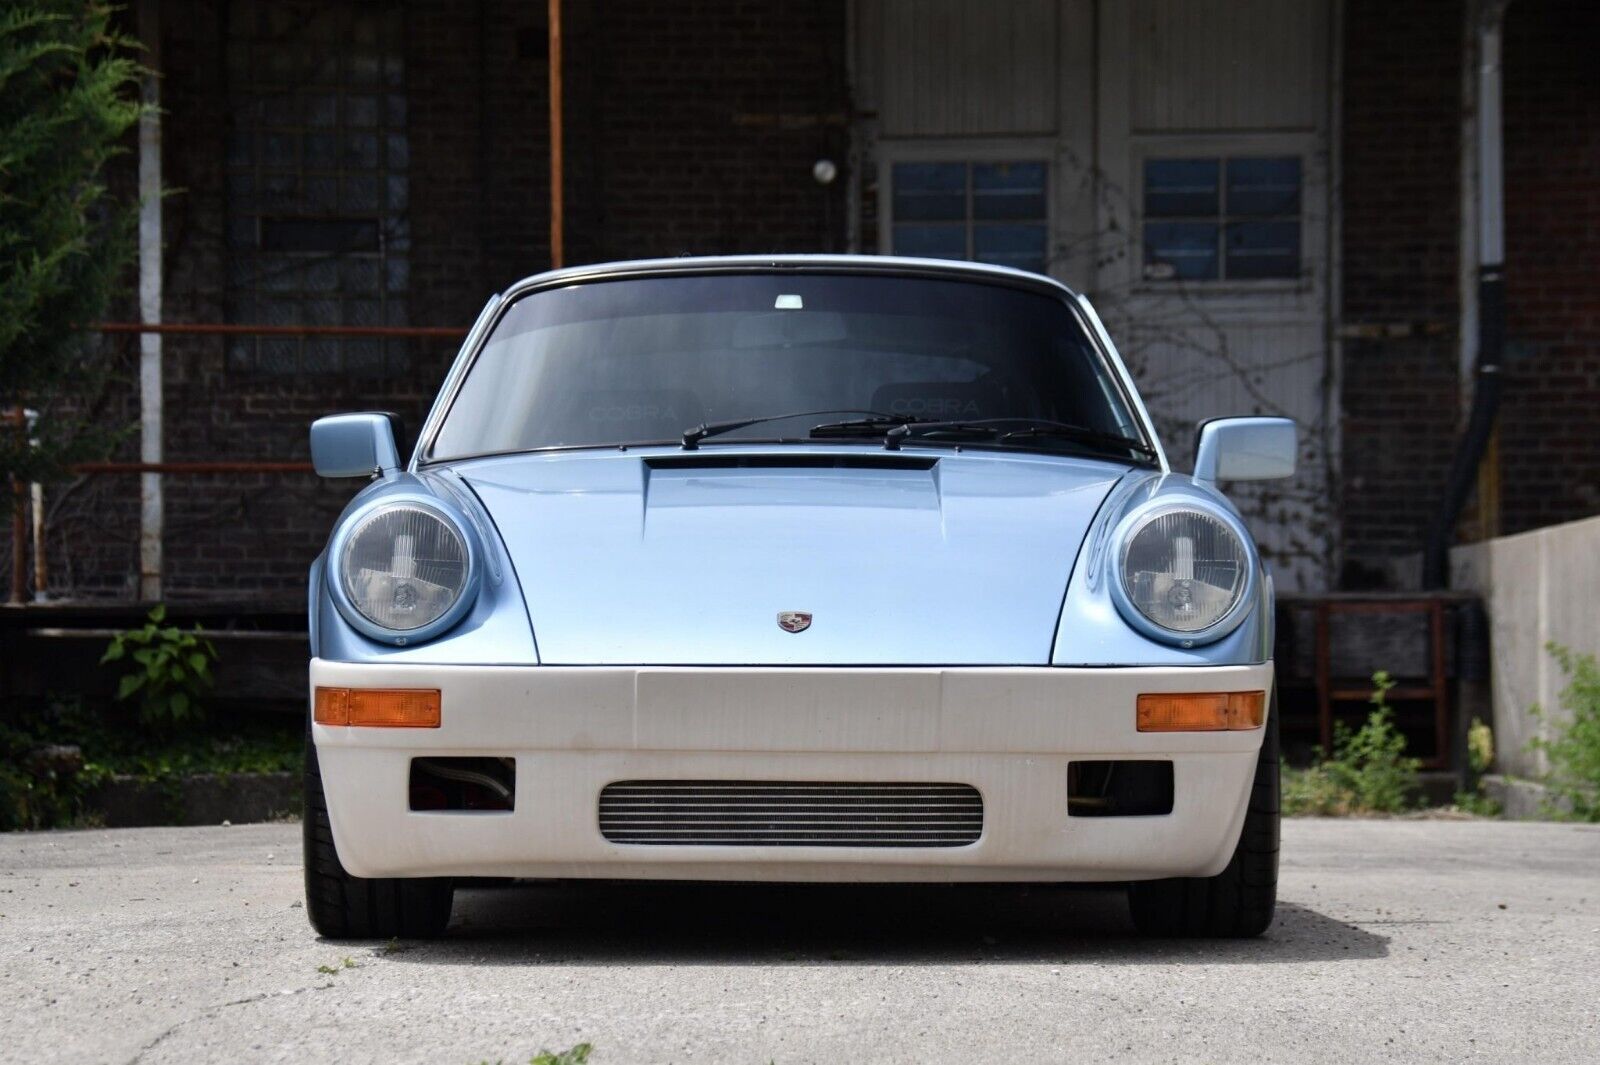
[[790, 814]]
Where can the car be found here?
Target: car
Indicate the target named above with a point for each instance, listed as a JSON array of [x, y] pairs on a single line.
[[795, 568]]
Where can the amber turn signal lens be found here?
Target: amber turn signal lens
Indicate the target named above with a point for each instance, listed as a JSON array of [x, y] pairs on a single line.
[[1202, 712], [377, 707]]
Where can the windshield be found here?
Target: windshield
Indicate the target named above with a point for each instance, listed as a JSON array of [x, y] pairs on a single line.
[[640, 361]]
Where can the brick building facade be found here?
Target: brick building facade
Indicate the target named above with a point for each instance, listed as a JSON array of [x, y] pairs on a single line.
[[1402, 273], [388, 164]]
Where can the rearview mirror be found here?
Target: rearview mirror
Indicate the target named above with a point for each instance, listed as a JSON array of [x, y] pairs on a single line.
[[355, 445], [1245, 449]]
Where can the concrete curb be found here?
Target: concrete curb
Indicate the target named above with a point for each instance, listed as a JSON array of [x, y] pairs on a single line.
[[1521, 800], [202, 799]]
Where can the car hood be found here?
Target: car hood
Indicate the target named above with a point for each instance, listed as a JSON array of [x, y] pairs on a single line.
[[688, 558]]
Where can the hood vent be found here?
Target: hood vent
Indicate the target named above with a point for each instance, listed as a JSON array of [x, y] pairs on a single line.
[[799, 461]]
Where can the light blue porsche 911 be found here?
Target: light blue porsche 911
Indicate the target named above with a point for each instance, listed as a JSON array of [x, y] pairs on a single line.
[[798, 568]]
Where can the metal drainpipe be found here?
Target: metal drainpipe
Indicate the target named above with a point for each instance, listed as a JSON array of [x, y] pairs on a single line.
[[1491, 303], [30, 418], [150, 406]]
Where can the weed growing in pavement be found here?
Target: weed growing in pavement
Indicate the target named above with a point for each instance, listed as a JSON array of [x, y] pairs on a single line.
[[330, 970], [576, 1055], [1367, 773], [1573, 747], [1480, 756]]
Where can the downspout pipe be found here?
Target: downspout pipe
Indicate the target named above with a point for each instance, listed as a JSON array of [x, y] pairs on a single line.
[[1491, 304], [151, 499]]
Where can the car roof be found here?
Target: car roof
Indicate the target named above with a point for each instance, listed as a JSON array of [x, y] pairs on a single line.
[[864, 264]]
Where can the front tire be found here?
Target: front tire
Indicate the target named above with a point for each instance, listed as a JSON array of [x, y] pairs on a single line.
[[1238, 902], [342, 906]]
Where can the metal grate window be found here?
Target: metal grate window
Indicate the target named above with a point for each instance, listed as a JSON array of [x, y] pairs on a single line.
[[317, 183], [1213, 219], [986, 212]]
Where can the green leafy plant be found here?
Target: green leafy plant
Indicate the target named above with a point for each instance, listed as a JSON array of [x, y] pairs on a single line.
[[1367, 773], [576, 1055], [1573, 746], [171, 668], [69, 93]]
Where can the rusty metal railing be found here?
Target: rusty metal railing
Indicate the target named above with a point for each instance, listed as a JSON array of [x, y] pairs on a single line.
[[15, 417]]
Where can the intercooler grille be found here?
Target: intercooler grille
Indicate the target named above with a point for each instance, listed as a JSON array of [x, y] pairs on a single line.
[[761, 813]]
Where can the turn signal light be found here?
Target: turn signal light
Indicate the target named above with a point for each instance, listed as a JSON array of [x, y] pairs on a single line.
[[377, 707], [1202, 712]]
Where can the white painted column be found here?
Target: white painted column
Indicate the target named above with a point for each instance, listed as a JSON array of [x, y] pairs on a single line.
[[150, 413]]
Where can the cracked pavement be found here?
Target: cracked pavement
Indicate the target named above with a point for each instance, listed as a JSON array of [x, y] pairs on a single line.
[[1413, 941]]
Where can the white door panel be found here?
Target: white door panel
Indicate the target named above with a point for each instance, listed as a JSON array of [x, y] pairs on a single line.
[[1190, 79]]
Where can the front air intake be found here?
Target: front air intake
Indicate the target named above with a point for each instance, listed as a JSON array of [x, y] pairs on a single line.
[[760, 813]]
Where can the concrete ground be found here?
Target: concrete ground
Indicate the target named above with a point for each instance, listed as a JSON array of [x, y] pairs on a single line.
[[1410, 941]]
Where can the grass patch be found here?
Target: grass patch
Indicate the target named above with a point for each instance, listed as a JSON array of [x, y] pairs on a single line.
[[53, 757]]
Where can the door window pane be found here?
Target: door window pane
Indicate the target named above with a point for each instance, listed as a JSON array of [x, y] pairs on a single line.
[[1214, 219], [930, 192], [1008, 190], [1183, 250], [1016, 245], [931, 242], [1174, 188], [1263, 249], [988, 212], [1264, 186]]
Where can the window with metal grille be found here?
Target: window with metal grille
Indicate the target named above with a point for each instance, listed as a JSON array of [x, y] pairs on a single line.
[[1216, 219], [317, 184], [987, 212]]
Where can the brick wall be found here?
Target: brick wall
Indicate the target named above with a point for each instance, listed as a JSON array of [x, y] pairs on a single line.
[[702, 122], [1549, 450], [1400, 197], [691, 128], [1400, 400]]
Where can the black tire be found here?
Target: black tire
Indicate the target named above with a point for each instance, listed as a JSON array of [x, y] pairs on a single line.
[[1238, 902], [342, 906]]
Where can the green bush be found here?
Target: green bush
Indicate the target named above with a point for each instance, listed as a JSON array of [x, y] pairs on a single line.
[[1367, 773], [69, 95], [1573, 747], [171, 669]]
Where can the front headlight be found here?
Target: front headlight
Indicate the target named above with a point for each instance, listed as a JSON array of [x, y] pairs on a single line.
[[407, 570], [1183, 570]]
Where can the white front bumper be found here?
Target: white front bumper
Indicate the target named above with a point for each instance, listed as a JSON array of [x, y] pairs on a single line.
[[1008, 732]]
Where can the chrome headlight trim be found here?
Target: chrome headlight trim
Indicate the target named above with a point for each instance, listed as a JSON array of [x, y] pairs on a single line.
[[457, 523], [1130, 527]]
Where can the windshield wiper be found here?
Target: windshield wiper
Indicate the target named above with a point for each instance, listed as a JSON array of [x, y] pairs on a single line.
[[873, 426], [692, 437], [892, 439], [1026, 427], [1081, 435]]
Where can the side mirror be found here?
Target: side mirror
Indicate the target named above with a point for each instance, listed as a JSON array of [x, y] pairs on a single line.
[[1245, 449], [355, 445]]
